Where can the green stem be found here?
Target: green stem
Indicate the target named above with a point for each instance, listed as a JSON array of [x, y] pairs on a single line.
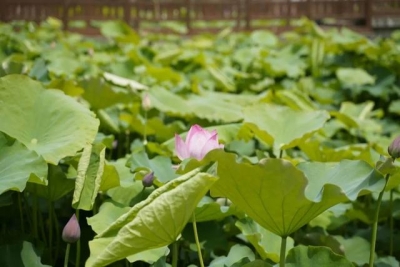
[[280, 153], [78, 245], [145, 128], [175, 254], [50, 204], [34, 218], [196, 237], [282, 260], [391, 223], [375, 225], [67, 255], [58, 233], [21, 214], [44, 238]]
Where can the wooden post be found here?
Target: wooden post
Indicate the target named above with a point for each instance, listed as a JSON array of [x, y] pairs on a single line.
[[247, 14], [188, 16], [239, 14], [289, 4], [127, 12], [368, 14], [136, 24], [65, 18], [309, 10]]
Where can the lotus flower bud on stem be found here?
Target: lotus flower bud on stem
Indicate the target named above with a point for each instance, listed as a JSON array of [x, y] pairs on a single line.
[[146, 102], [71, 232], [148, 179], [394, 148]]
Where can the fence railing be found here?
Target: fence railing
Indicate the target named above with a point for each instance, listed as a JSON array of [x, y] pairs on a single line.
[[241, 14]]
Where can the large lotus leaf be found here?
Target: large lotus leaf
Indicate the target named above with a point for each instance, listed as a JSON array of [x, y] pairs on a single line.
[[302, 256], [283, 198], [57, 187], [354, 77], [120, 31], [281, 126], [20, 255], [100, 95], [160, 165], [154, 222], [49, 122], [128, 188], [236, 253], [18, 164], [356, 249], [209, 108], [215, 109], [266, 243], [108, 213], [209, 210], [224, 81], [90, 174]]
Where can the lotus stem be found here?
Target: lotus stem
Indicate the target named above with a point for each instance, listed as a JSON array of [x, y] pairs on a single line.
[[175, 254], [67, 255], [50, 204], [375, 225], [78, 245], [196, 237], [35, 218], [282, 259], [21, 215], [391, 223]]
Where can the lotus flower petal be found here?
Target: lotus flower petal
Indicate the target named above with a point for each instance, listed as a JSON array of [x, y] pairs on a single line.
[[198, 143]]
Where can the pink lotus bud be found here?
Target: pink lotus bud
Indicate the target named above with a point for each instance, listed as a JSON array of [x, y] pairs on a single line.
[[394, 148], [146, 102], [198, 143], [148, 179], [72, 231]]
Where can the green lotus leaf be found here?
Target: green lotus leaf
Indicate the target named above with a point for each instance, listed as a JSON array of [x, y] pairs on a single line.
[[154, 222], [356, 249], [50, 123], [160, 165], [57, 187], [354, 77], [302, 256], [128, 188], [20, 255], [283, 198], [90, 175], [209, 108], [281, 126], [18, 164], [236, 253], [209, 210], [266, 243]]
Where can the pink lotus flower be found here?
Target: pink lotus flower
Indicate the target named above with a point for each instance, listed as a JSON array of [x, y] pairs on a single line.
[[198, 143]]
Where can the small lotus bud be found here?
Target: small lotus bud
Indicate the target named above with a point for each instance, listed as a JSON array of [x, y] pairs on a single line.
[[148, 179], [72, 231], [146, 102], [394, 148]]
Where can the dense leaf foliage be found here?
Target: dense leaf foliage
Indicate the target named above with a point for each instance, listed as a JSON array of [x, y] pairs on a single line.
[[304, 120]]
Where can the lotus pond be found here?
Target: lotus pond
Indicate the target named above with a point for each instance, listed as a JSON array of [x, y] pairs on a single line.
[[234, 149]]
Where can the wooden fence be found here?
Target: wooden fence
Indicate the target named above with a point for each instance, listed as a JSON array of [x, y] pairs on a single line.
[[241, 14]]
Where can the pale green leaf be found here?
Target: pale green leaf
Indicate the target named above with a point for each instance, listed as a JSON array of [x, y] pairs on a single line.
[[302, 256], [50, 123], [281, 126], [154, 222], [88, 181], [17, 164]]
